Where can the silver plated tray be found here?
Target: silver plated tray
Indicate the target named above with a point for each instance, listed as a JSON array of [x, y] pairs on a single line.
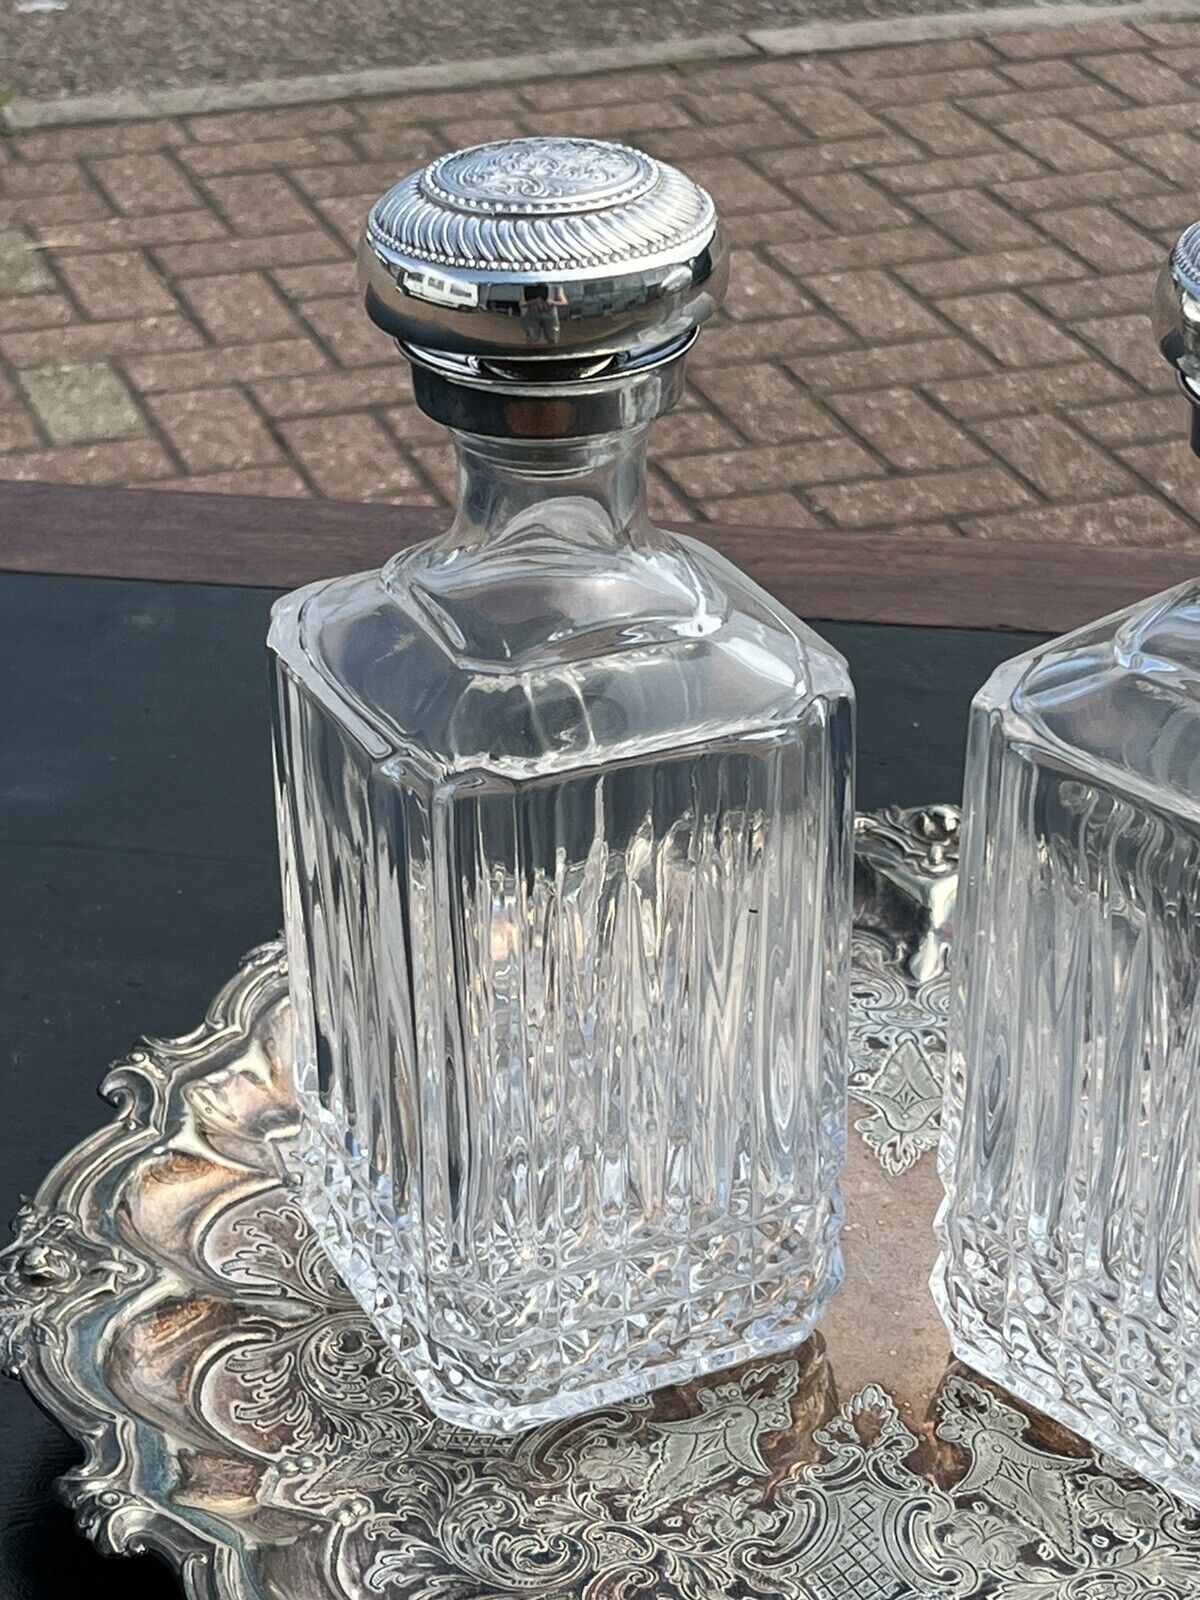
[[165, 1301]]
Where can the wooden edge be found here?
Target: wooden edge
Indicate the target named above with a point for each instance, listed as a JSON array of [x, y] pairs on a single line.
[[184, 537]]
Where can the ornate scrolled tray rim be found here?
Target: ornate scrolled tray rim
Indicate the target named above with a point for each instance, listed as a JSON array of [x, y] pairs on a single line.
[[238, 1416]]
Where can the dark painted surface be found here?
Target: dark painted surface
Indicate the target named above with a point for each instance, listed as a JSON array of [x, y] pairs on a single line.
[[137, 863]]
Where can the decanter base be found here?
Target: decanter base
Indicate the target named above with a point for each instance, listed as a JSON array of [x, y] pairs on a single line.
[[1039, 1381], [521, 1418], [331, 1196]]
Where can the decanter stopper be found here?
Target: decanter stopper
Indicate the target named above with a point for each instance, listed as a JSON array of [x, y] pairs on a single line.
[[1177, 318], [569, 271]]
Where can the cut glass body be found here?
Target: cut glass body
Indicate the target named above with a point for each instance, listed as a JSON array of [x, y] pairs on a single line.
[[565, 816], [1070, 1270]]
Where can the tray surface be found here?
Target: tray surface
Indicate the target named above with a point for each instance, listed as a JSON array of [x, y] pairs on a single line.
[[166, 1302]]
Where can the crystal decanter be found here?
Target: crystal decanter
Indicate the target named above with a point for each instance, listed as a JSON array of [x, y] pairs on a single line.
[[1070, 1229], [565, 811]]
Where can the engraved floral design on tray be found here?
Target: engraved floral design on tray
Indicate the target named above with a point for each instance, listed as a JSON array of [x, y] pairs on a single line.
[[240, 1415], [897, 1053], [906, 876]]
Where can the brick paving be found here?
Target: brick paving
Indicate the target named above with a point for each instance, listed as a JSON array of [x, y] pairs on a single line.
[[943, 258]]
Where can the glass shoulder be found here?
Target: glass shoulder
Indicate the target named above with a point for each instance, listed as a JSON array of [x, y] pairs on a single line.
[[615, 683], [1121, 696], [818, 661]]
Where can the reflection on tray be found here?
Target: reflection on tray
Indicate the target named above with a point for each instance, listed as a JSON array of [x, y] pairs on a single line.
[[166, 1300]]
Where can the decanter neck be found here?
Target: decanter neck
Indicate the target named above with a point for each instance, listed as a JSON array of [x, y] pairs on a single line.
[[590, 493], [551, 557]]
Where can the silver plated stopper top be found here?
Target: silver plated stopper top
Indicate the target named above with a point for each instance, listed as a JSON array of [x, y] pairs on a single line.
[[542, 249], [543, 286], [1177, 305], [1177, 318]]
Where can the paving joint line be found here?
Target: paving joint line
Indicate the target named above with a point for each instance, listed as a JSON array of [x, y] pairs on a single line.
[[808, 38]]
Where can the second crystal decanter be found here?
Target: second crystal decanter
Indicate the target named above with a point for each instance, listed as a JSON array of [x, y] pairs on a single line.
[[1070, 1267], [565, 811]]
